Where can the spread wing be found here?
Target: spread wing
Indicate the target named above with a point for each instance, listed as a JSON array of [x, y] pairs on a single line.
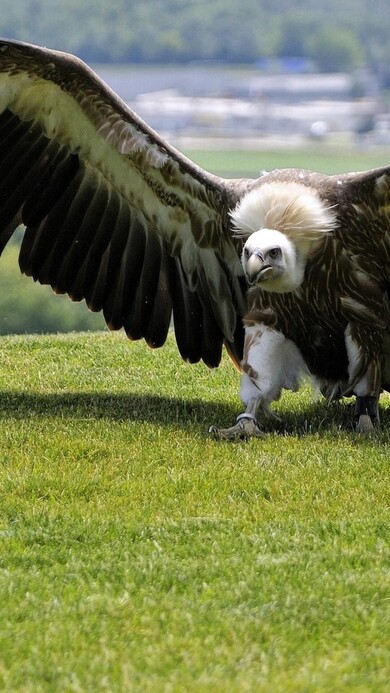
[[363, 202], [113, 214]]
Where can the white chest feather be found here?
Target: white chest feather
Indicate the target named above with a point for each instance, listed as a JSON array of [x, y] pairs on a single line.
[[271, 363]]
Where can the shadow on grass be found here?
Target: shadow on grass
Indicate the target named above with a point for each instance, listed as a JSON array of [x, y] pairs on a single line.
[[316, 418], [131, 407]]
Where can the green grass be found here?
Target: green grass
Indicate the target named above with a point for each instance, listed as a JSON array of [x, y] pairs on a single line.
[[138, 554], [234, 163]]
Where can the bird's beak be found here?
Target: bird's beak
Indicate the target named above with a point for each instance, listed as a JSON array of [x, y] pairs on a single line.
[[255, 268]]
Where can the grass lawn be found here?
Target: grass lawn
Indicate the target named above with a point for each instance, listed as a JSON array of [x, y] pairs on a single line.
[[138, 554], [234, 163]]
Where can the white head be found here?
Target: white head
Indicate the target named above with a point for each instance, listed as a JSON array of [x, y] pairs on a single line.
[[282, 222], [270, 260]]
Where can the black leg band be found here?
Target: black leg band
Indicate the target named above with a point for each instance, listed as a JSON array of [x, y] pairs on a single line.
[[366, 405]]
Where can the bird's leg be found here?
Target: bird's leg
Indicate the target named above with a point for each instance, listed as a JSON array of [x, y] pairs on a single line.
[[366, 413], [367, 397], [271, 362], [367, 386]]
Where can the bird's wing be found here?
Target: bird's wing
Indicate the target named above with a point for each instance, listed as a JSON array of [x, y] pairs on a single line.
[[362, 203], [363, 211], [114, 215]]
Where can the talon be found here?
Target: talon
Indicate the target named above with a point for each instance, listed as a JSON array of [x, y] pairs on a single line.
[[214, 431], [245, 428]]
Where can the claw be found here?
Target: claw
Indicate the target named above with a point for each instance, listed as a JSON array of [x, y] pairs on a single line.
[[244, 428]]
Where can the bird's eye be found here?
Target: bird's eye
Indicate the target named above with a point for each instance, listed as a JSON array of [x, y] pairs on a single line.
[[246, 253], [274, 253]]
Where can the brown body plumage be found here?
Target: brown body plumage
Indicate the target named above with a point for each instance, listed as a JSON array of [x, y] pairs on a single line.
[[345, 283], [116, 216]]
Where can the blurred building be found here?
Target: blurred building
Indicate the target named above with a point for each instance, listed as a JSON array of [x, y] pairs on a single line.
[[210, 99]]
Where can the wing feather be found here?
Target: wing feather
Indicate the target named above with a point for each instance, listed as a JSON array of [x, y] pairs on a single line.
[[57, 231], [20, 158], [137, 318], [69, 276], [128, 275], [110, 265], [363, 202], [160, 317], [113, 214], [197, 334], [56, 171]]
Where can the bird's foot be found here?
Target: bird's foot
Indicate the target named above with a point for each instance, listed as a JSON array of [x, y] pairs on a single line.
[[246, 427], [366, 414]]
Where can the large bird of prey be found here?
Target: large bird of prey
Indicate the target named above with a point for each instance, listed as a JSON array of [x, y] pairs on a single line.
[[290, 271]]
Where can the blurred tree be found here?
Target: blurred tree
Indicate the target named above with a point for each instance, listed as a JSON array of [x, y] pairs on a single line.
[[296, 31], [335, 50], [26, 307], [178, 31]]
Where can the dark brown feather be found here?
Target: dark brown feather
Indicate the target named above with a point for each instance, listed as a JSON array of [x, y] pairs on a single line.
[[137, 316], [126, 280], [68, 274], [111, 260]]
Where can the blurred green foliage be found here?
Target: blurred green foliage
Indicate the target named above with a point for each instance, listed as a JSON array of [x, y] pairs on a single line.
[[26, 307], [181, 31]]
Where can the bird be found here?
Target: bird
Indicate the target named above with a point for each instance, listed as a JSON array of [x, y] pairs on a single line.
[[287, 272]]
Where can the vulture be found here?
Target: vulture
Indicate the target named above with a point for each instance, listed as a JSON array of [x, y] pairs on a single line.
[[289, 272]]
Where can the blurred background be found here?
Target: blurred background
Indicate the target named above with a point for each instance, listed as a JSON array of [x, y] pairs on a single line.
[[238, 86]]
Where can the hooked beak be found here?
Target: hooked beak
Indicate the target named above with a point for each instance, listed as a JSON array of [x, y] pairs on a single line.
[[256, 270]]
